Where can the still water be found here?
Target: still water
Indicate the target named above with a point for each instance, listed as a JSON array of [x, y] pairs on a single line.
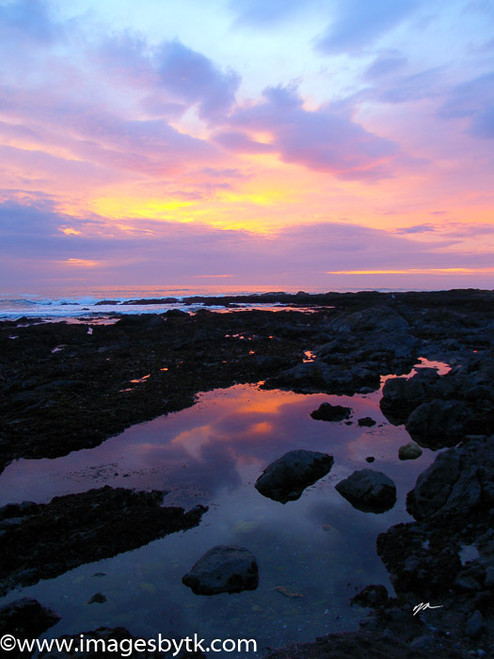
[[313, 554]]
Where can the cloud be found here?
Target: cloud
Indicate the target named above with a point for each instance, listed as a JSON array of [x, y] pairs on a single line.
[[473, 100], [358, 24], [182, 253], [385, 64], [418, 228], [324, 140], [195, 79]]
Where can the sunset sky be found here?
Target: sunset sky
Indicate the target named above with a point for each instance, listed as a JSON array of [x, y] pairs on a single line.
[[318, 145]]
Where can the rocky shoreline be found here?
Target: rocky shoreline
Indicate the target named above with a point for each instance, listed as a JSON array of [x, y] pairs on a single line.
[[65, 387]]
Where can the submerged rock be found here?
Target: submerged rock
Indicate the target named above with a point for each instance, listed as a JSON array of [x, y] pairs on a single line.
[[286, 478], [371, 596], [328, 412], [368, 490], [223, 569]]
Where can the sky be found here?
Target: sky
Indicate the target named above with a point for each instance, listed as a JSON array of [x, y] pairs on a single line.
[[316, 145]]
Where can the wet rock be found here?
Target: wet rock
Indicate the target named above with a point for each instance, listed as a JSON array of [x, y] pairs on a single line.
[[328, 412], [440, 423], [80, 528], [368, 490], [458, 482], [223, 569], [410, 451], [366, 422], [402, 395], [371, 596], [319, 377], [475, 625], [97, 598], [26, 618], [286, 478]]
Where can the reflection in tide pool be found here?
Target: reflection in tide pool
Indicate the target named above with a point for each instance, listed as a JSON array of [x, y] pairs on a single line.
[[313, 554]]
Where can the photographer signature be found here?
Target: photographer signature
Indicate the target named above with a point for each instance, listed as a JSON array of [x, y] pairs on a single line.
[[425, 605]]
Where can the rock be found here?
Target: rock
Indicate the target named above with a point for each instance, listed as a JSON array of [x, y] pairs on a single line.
[[368, 490], [370, 458], [286, 478], [223, 569], [439, 423], [410, 451], [459, 481], [26, 618], [366, 421], [371, 596], [475, 625], [79, 528], [402, 395], [318, 377], [328, 412], [97, 598]]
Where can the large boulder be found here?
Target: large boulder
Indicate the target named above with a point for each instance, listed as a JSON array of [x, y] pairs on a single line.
[[223, 569], [440, 423], [368, 490], [459, 481], [286, 478], [402, 395]]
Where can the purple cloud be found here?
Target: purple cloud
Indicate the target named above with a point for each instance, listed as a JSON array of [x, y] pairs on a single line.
[[322, 140], [195, 79], [473, 100], [386, 64]]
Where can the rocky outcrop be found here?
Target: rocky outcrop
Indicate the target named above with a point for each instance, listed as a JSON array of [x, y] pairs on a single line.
[[286, 478], [459, 481], [80, 528], [368, 490], [223, 569]]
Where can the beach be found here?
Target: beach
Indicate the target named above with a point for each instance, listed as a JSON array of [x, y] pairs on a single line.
[[231, 385]]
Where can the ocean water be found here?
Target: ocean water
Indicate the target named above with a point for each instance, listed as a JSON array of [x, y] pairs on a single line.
[[99, 304]]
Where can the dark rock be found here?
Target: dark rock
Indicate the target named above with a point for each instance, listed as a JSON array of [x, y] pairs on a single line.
[[440, 423], [328, 412], [475, 625], [80, 528], [368, 490], [367, 422], [402, 395], [286, 478], [26, 618], [370, 458], [97, 598], [371, 596], [410, 451], [223, 569], [459, 481]]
